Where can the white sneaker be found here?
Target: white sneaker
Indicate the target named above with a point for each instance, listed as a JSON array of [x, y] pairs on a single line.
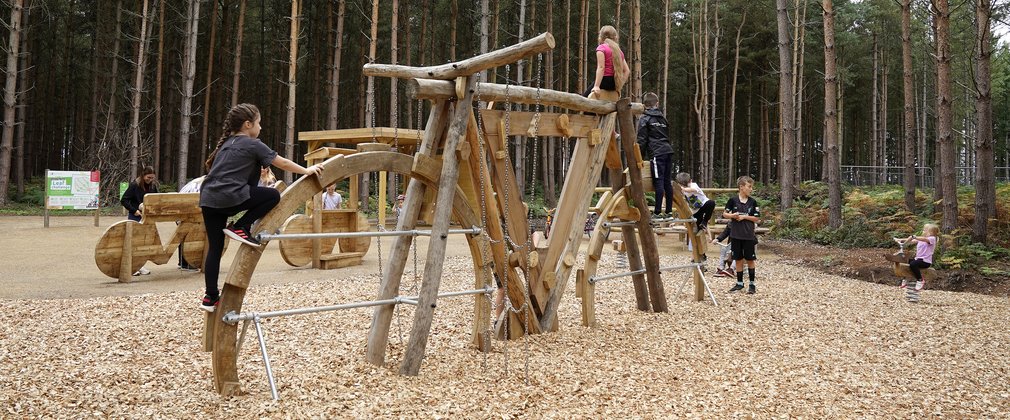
[[142, 272]]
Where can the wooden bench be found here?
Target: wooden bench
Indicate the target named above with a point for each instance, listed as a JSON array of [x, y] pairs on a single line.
[[681, 230], [901, 268], [127, 245], [349, 251]]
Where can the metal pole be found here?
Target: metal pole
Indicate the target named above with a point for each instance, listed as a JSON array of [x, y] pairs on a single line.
[[594, 279], [408, 301], [466, 292], [680, 267], [328, 235], [232, 317], [705, 282], [266, 358], [241, 337]]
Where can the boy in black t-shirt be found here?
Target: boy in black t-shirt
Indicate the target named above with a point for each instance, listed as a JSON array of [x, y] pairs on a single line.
[[744, 214]]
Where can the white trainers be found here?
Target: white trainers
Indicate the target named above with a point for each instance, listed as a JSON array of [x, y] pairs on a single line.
[[142, 272], [919, 284]]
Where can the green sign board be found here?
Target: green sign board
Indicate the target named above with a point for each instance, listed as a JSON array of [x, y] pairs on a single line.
[[72, 189]]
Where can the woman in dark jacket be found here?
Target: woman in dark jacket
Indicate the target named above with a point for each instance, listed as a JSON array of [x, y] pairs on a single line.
[[134, 196], [133, 199]]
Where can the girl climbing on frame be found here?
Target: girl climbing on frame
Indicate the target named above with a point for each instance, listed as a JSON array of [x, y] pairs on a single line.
[[231, 186], [133, 199], [925, 244]]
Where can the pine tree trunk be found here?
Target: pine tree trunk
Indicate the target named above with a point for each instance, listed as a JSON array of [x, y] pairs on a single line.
[[667, 21], [138, 85], [909, 105], [22, 106], [636, 36], [786, 116], [799, 51], [731, 160], [289, 126], [883, 122], [520, 141], [10, 103], [875, 136], [157, 93], [985, 187], [189, 76], [111, 120], [332, 117], [370, 98], [394, 107], [452, 36], [831, 118], [550, 142], [709, 163], [237, 63], [944, 124], [581, 78], [208, 87]]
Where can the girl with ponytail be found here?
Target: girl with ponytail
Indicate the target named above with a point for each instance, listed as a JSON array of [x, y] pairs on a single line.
[[611, 68], [231, 186]]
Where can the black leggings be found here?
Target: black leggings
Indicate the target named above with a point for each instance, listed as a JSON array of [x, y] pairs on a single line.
[[661, 167], [704, 214], [916, 267], [607, 83], [261, 201]]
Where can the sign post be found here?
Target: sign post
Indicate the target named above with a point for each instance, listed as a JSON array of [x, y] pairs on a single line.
[[72, 190]]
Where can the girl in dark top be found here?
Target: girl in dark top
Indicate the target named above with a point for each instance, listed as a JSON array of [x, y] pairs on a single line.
[[133, 199], [231, 186], [134, 196]]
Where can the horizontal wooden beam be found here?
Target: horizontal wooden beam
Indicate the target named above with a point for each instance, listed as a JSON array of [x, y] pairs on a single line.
[[363, 135], [493, 92], [450, 71]]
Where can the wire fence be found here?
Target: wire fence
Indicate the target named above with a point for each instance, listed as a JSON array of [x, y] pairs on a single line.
[[924, 176]]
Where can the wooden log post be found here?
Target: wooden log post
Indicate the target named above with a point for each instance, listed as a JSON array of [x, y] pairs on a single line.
[[427, 298], [649, 249], [425, 88], [631, 241], [495, 230], [378, 335], [470, 66], [588, 296], [583, 174], [126, 263]]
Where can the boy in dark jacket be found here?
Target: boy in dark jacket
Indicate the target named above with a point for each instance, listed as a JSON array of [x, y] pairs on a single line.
[[652, 138]]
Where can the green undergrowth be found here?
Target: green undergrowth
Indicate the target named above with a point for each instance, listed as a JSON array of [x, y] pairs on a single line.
[[872, 216]]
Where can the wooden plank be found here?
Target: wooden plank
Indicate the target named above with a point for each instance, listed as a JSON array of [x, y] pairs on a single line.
[[428, 296], [613, 160], [650, 252], [425, 88], [588, 299], [513, 284], [551, 124], [467, 67], [583, 175], [362, 135], [508, 200], [171, 207]]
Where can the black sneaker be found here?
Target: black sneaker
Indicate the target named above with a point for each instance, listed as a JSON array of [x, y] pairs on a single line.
[[241, 235], [752, 289], [736, 287], [188, 268], [209, 303]]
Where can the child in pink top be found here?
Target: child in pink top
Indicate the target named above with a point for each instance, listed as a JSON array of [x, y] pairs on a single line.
[[924, 246], [611, 71]]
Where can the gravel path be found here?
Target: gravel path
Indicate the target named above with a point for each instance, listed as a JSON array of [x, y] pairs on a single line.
[[807, 345]]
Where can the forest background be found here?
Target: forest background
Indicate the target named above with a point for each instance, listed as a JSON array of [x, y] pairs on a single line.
[[917, 125]]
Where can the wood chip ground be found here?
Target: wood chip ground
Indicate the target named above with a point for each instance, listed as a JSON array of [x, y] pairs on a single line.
[[806, 345]]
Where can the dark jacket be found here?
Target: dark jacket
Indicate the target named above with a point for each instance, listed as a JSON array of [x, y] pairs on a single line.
[[134, 195], [652, 128]]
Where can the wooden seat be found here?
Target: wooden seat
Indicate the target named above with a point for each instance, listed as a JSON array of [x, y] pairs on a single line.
[[341, 260], [901, 268]]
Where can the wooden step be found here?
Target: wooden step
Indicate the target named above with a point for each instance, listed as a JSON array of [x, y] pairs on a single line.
[[340, 260]]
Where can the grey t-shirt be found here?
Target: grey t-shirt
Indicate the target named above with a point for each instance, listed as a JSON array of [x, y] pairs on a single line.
[[236, 167]]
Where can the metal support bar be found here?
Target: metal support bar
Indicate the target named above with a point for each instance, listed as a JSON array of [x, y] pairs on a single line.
[[241, 337], [408, 301], [328, 235], [680, 267], [703, 282], [617, 224], [232, 317], [266, 358], [594, 279]]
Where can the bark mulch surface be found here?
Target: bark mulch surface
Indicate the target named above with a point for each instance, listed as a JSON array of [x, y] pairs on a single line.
[[808, 344]]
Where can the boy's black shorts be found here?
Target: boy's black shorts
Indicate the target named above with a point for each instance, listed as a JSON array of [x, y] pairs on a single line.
[[743, 249]]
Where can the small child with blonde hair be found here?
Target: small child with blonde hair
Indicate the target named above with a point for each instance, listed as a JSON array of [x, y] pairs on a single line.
[[925, 244]]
